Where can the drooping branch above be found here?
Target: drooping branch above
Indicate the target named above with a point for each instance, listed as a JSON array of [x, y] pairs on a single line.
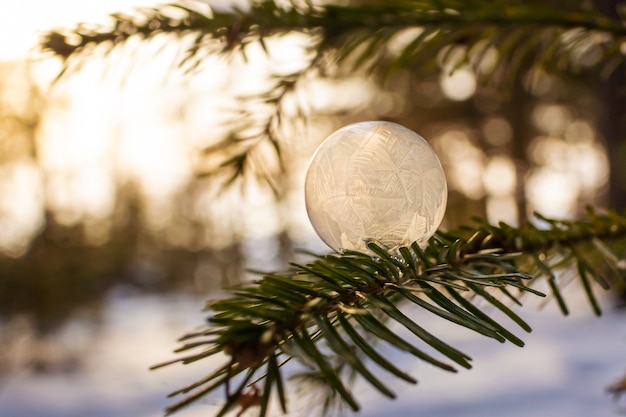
[[561, 35]]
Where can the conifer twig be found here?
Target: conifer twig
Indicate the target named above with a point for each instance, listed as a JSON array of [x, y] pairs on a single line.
[[338, 305], [379, 37]]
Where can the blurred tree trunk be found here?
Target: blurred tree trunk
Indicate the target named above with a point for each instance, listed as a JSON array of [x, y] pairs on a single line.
[[613, 122]]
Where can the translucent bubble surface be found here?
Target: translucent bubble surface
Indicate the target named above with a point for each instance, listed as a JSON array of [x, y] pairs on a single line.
[[375, 181]]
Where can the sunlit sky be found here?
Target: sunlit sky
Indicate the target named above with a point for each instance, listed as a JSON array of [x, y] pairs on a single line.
[[144, 126], [98, 131], [22, 22]]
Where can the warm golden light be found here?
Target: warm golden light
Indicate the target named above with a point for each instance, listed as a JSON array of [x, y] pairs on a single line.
[[22, 22], [21, 216], [500, 176], [111, 126], [463, 162], [459, 85]]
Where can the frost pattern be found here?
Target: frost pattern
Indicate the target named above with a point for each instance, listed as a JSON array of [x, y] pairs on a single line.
[[375, 181]]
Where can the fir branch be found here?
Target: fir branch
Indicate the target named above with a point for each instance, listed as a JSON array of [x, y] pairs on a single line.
[[332, 307], [232, 30], [254, 142], [556, 30], [497, 39], [336, 306]]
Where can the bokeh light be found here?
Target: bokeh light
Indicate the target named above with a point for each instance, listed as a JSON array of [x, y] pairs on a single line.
[[113, 233]]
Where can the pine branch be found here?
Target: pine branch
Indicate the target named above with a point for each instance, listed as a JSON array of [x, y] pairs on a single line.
[[328, 314], [554, 31], [232, 30], [334, 309], [254, 136], [497, 39]]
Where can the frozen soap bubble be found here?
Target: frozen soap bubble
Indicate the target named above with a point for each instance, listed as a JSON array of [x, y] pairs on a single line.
[[375, 181]]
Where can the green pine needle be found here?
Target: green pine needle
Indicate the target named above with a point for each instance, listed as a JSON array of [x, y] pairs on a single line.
[[339, 307]]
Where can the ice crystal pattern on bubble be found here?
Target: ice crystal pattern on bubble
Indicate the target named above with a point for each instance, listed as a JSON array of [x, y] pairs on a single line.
[[375, 181]]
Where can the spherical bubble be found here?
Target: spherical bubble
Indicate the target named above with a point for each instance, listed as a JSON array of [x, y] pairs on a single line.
[[375, 181]]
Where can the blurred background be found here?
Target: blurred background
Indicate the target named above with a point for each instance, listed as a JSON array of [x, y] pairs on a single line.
[[112, 238]]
